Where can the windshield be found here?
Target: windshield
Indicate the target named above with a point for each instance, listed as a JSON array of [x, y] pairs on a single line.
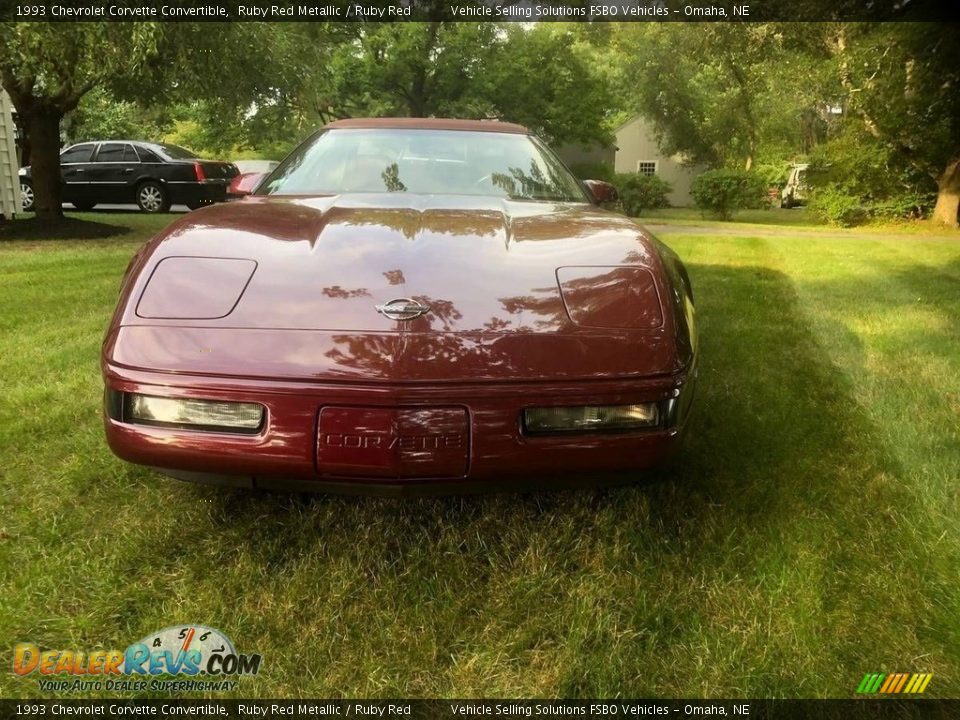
[[434, 162]]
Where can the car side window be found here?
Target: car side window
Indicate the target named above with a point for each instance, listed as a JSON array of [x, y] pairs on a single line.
[[147, 156], [110, 152], [130, 154], [77, 154]]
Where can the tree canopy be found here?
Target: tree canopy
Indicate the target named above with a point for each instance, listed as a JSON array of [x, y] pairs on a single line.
[[47, 68], [874, 106]]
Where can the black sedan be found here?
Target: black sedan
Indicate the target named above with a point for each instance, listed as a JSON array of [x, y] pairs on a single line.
[[153, 175]]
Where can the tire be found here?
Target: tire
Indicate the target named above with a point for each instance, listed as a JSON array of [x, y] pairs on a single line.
[[27, 203], [152, 197], [786, 203], [84, 206]]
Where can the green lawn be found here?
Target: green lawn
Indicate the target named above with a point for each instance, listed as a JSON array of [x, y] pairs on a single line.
[[808, 535], [795, 217], [800, 218]]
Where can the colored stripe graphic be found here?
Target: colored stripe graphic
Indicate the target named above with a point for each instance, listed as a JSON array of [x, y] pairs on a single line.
[[903, 680], [887, 683], [894, 683], [870, 683]]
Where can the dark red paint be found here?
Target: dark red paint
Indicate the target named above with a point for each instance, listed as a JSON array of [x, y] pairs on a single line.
[[393, 442], [300, 278]]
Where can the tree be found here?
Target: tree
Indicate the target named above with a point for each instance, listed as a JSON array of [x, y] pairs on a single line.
[[901, 85], [203, 86], [414, 69], [46, 68], [725, 93], [459, 69], [241, 85], [707, 88], [550, 77]]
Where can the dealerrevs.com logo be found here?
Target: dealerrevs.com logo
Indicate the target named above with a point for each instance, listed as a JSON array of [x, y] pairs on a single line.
[[198, 657]]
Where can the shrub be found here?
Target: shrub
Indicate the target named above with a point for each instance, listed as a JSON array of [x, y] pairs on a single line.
[[865, 167], [774, 174], [853, 177], [909, 205], [640, 192], [724, 191], [837, 206]]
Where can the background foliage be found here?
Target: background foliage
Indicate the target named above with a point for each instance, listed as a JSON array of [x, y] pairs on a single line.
[[640, 192], [875, 107], [726, 190]]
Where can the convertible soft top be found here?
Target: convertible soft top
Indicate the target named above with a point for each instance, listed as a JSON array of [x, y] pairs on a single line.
[[430, 124]]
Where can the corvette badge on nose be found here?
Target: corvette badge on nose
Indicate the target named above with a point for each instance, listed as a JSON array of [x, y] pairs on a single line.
[[403, 309]]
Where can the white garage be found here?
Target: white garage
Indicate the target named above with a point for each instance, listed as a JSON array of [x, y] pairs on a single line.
[[9, 164]]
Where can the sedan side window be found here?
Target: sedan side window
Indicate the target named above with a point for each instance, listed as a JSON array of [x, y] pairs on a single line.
[[147, 156], [110, 152], [77, 154]]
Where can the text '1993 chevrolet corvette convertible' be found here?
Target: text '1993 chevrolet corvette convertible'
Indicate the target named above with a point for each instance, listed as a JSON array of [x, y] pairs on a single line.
[[403, 305]]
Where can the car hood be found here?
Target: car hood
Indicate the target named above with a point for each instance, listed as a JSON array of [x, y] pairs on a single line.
[[502, 279]]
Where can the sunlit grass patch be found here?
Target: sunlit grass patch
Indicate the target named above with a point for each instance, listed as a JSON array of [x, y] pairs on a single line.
[[807, 535]]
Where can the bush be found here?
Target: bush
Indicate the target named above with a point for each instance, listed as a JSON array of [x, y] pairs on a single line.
[[724, 191], [774, 174], [640, 192], [853, 177], [907, 206], [837, 207]]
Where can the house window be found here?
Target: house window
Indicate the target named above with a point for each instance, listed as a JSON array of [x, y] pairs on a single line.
[[647, 167]]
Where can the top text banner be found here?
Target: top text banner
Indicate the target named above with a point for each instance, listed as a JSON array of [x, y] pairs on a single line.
[[480, 10]]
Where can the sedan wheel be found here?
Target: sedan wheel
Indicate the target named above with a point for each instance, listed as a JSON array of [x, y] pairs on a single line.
[[26, 196], [152, 198]]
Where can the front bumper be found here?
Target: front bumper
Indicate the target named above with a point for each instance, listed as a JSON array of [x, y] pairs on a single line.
[[284, 453]]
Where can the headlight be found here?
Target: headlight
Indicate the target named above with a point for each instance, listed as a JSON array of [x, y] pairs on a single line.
[[199, 414], [591, 418]]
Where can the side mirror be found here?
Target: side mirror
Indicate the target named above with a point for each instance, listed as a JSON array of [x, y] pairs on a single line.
[[245, 184], [602, 192]]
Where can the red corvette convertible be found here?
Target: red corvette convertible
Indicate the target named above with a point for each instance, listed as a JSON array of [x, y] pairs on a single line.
[[429, 305]]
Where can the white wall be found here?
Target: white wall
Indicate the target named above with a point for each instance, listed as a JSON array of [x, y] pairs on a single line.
[[636, 143], [9, 167]]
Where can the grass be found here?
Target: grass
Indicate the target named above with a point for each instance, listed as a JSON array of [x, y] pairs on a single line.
[[799, 218], [808, 535], [85, 226], [795, 217]]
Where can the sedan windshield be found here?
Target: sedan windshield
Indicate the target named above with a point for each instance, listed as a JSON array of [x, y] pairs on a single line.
[[433, 162]]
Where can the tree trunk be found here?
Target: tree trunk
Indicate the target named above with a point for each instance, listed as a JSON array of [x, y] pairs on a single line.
[[43, 130], [947, 209], [418, 98]]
